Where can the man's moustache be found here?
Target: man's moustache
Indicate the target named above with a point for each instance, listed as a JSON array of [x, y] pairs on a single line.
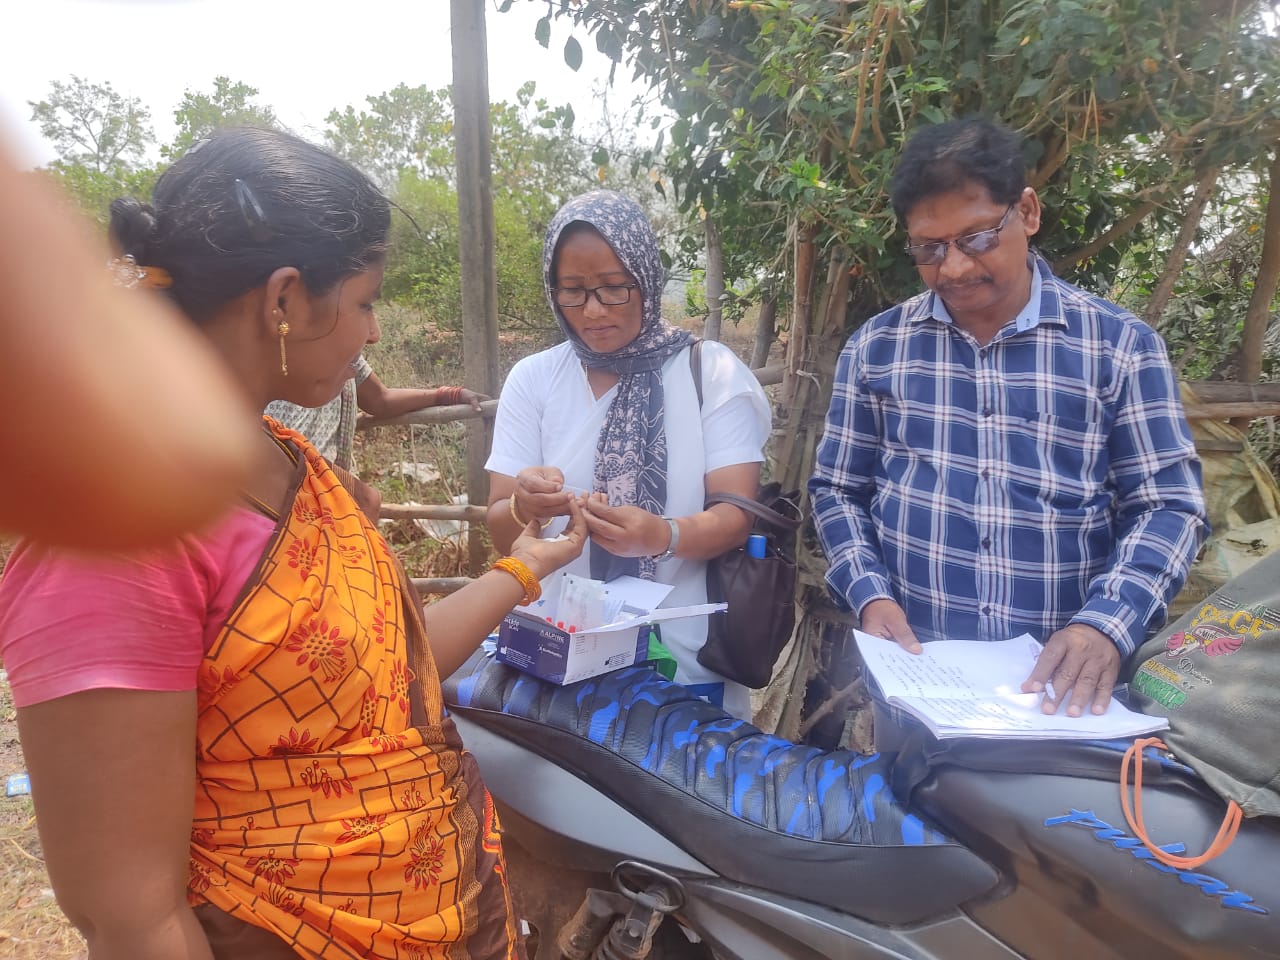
[[962, 285]]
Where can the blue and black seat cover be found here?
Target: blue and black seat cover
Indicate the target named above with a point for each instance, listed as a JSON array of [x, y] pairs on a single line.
[[1049, 813], [818, 825]]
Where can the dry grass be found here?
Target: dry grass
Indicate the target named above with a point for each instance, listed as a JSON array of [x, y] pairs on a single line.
[[414, 352]]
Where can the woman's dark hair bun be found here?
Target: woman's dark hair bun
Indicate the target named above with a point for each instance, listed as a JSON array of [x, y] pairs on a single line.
[[133, 226]]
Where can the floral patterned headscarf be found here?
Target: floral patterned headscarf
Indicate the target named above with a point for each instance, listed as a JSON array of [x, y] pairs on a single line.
[[631, 456]]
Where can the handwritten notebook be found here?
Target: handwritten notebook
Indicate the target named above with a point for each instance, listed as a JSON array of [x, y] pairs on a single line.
[[971, 688]]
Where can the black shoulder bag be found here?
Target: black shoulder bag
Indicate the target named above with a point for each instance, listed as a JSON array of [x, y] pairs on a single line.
[[744, 642]]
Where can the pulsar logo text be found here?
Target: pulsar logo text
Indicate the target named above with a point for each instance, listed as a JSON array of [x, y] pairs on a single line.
[[1209, 886]]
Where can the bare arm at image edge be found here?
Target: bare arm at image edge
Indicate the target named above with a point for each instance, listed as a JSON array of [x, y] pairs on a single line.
[[113, 777], [100, 375]]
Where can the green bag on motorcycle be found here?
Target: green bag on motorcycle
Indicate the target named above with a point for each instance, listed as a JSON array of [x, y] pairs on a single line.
[[1215, 674]]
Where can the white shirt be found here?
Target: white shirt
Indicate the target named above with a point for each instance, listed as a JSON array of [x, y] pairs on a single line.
[[547, 416]]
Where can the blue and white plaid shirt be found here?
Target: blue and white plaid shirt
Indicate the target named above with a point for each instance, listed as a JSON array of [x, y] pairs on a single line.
[[1044, 479]]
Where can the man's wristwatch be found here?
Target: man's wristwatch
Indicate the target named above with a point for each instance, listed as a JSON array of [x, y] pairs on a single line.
[[675, 540]]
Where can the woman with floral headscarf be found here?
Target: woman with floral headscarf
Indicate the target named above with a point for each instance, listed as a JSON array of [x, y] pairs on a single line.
[[611, 416]]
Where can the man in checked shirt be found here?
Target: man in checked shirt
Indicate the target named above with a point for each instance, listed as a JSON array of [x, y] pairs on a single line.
[[1004, 453]]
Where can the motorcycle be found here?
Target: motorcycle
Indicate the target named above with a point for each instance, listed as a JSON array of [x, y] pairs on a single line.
[[642, 822]]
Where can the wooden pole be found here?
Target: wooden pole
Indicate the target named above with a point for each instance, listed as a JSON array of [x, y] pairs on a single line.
[[1230, 391], [433, 511], [476, 238], [1243, 412], [427, 415]]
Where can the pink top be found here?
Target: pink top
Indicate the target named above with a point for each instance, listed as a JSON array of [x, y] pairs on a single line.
[[72, 622]]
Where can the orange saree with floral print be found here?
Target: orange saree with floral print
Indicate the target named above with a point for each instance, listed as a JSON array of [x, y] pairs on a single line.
[[335, 806]]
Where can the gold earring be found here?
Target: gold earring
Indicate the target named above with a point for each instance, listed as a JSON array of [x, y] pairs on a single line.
[[282, 328]]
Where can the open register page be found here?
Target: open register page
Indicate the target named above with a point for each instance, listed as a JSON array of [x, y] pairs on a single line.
[[971, 688]]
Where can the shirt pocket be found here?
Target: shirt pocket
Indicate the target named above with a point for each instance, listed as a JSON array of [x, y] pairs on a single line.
[[1061, 461]]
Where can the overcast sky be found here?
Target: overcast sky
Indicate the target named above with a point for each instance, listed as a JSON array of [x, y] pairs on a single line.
[[306, 57]]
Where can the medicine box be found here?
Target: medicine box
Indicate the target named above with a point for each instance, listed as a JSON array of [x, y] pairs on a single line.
[[532, 639]]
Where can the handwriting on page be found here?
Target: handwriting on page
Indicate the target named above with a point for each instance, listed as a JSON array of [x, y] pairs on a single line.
[[979, 715], [952, 668], [912, 675]]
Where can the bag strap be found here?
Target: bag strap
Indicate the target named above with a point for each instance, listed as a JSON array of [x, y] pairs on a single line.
[[695, 367], [1133, 814], [753, 507], [756, 509]]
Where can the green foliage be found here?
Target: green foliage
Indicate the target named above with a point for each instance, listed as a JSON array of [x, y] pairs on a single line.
[[405, 140], [92, 191], [92, 125], [423, 268], [790, 113], [408, 128], [1203, 320], [227, 105], [789, 116], [100, 136]]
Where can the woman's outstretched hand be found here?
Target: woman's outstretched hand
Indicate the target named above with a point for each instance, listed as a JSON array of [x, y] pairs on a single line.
[[544, 557]]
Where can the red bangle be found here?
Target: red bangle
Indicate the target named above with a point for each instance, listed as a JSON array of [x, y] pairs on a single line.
[[448, 396]]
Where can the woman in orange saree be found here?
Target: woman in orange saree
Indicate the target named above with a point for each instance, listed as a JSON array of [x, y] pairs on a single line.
[[237, 743]]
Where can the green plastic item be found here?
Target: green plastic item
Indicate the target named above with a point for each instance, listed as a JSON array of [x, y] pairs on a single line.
[[659, 656]]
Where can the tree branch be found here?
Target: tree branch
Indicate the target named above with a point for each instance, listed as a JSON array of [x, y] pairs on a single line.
[[1258, 314], [1178, 255], [1096, 246]]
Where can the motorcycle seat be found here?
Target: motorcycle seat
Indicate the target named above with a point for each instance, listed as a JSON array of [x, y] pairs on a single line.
[[1049, 813], [822, 826]]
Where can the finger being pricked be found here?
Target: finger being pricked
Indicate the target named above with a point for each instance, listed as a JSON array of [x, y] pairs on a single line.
[[576, 529], [554, 552], [597, 505], [548, 504], [600, 521], [532, 480]]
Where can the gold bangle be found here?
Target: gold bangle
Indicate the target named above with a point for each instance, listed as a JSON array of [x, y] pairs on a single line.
[[524, 576], [511, 505]]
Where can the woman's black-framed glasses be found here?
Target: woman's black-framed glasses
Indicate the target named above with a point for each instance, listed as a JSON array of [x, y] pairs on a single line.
[[610, 295], [975, 244]]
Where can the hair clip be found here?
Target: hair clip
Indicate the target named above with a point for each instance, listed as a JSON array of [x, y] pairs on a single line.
[[254, 216], [125, 272]]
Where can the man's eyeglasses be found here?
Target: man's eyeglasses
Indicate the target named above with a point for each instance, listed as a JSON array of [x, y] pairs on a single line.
[[975, 244], [610, 295]]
